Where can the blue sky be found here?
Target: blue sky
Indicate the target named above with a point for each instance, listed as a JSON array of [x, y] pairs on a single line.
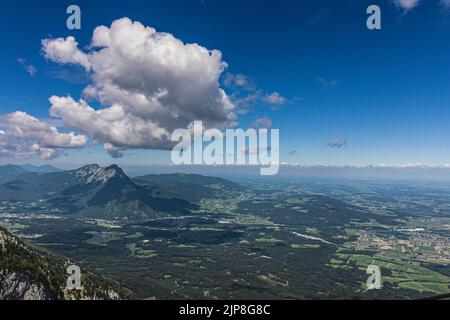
[[385, 93]]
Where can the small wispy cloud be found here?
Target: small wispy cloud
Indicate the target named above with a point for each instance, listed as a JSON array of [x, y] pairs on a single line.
[[327, 84], [30, 69], [406, 4], [275, 98], [235, 80], [264, 122], [291, 153], [445, 4], [337, 143], [246, 94]]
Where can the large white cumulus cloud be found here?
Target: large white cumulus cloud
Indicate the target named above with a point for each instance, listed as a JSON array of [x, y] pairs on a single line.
[[113, 125], [148, 83], [65, 51], [24, 136]]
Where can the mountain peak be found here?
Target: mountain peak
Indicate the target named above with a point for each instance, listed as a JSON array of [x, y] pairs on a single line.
[[92, 166], [95, 173], [116, 168]]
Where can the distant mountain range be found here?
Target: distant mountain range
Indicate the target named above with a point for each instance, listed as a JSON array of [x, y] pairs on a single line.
[[108, 192], [10, 172], [29, 273], [190, 187], [42, 169]]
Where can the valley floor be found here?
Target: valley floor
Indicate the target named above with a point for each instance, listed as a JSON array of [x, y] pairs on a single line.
[[291, 240]]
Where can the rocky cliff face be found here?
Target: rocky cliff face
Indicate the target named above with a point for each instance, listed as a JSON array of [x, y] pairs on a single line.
[[20, 287], [28, 273]]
